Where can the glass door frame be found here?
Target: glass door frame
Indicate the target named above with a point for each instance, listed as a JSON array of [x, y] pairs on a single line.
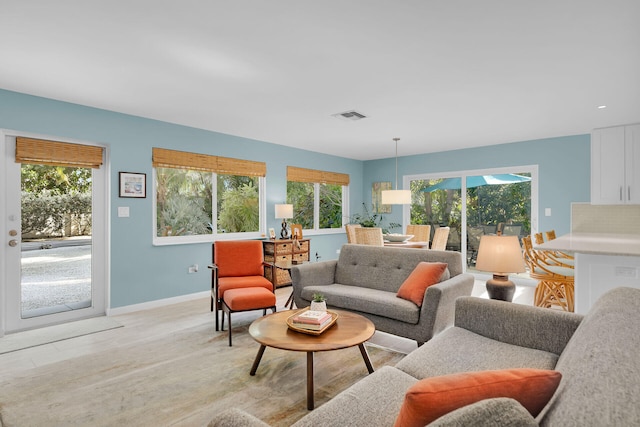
[[463, 174], [10, 257]]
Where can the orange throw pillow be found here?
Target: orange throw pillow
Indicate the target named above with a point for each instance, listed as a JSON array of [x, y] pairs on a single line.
[[424, 275], [431, 398]]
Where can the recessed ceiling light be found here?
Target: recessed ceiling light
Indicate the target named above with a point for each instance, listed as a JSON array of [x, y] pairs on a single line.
[[601, 107]]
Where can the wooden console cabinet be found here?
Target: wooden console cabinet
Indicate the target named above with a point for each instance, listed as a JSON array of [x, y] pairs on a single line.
[[284, 251]]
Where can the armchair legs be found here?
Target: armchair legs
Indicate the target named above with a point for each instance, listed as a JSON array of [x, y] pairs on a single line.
[[246, 299]]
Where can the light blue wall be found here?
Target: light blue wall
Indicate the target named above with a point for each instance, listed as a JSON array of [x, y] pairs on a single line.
[[141, 272], [564, 172]]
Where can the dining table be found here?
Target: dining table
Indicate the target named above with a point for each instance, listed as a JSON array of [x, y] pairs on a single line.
[[407, 244]]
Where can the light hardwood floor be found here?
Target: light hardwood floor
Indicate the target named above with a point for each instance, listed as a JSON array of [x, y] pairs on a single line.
[[170, 318]]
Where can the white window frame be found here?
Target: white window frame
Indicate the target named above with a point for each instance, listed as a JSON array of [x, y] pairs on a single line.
[[207, 238]]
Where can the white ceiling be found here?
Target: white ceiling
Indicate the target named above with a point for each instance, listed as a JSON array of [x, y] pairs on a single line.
[[439, 74]]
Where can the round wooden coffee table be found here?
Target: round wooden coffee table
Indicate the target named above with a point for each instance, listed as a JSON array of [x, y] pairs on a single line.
[[349, 330]]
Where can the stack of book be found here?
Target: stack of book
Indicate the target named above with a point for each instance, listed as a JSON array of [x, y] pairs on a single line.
[[312, 320]]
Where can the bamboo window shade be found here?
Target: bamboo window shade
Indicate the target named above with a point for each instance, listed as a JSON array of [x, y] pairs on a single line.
[[55, 153], [311, 175], [163, 158]]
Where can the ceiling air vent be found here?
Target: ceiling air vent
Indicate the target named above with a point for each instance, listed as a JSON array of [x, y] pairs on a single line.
[[350, 115]]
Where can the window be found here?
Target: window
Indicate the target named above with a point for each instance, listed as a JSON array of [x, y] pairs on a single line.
[[318, 197], [198, 197]]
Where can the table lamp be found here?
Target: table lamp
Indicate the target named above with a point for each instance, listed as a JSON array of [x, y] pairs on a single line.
[[500, 255], [284, 211]]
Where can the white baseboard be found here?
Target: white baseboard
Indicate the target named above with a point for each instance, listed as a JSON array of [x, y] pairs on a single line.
[[157, 303]]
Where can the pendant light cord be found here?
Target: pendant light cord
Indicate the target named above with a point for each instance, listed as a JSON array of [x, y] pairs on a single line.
[[396, 140]]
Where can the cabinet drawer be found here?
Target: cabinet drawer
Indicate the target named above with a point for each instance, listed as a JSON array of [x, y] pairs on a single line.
[[277, 258], [269, 247], [282, 277], [283, 248], [301, 257], [304, 247]]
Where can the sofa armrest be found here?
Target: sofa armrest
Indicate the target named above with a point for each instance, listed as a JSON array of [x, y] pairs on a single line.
[[517, 324], [235, 417], [312, 274], [438, 305], [488, 413]]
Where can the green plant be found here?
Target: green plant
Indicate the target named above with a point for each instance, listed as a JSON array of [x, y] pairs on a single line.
[[318, 297], [367, 219]]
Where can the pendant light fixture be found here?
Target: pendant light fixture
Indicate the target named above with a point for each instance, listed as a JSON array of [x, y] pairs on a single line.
[[396, 197]]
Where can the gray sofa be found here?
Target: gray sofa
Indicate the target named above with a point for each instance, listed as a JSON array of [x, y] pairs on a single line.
[[597, 355], [365, 280]]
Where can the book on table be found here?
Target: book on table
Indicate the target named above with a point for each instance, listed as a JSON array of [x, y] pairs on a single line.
[[312, 320], [311, 317], [313, 326]]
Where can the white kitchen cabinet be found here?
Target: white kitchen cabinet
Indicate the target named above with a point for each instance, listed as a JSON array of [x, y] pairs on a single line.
[[615, 165]]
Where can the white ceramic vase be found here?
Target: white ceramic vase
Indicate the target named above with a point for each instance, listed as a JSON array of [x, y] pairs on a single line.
[[318, 306]]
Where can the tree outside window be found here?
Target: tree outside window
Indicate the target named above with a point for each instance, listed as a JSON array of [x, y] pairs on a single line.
[[185, 203], [317, 197]]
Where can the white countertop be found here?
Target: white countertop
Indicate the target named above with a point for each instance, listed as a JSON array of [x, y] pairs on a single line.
[[595, 243]]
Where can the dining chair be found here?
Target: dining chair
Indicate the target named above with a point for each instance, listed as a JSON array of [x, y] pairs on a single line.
[[440, 238], [474, 234], [420, 232], [369, 236], [559, 256], [511, 230], [489, 228], [238, 264], [351, 232], [555, 282]]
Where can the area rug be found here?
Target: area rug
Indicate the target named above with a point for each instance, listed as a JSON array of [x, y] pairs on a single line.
[[26, 339], [181, 379]]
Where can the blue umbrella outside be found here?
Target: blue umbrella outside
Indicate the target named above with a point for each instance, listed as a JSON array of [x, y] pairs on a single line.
[[478, 181]]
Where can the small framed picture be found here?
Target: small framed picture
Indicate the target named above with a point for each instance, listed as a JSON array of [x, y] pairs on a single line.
[[133, 185], [272, 233], [296, 231]]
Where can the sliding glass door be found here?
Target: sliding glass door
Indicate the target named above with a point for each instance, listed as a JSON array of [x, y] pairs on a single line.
[[475, 203]]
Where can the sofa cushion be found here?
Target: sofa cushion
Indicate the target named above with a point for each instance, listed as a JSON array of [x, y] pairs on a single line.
[[431, 398], [384, 268], [239, 258], [373, 401], [364, 300], [600, 366], [235, 417], [464, 351], [424, 275], [501, 411]]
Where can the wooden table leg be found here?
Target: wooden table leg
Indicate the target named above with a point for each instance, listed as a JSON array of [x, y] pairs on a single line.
[[310, 402], [365, 356], [256, 362], [289, 302]]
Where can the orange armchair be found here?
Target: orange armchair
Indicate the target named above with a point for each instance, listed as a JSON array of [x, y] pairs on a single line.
[[237, 264]]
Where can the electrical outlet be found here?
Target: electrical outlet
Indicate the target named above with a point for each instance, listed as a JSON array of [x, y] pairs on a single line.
[[193, 268]]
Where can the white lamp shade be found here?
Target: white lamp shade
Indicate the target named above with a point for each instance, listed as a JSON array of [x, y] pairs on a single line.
[[396, 197], [500, 254], [284, 211]]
